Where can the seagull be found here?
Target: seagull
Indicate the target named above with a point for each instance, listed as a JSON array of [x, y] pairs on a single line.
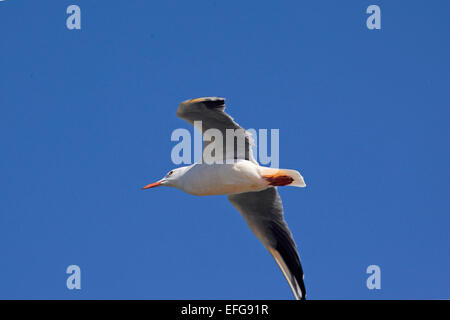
[[251, 188]]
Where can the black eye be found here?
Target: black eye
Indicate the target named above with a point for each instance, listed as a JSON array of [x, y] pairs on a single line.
[[170, 173]]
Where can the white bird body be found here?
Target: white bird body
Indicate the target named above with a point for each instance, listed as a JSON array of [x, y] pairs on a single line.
[[215, 179], [224, 179]]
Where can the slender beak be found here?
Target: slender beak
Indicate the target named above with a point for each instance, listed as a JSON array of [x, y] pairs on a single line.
[[152, 185]]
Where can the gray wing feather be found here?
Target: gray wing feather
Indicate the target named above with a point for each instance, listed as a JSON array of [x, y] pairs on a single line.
[[210, 111], [263, 212]]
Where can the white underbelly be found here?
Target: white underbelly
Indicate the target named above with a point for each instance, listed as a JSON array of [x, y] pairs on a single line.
[[216, 179]]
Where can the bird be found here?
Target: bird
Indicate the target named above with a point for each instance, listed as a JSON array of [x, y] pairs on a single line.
[[250, 187]]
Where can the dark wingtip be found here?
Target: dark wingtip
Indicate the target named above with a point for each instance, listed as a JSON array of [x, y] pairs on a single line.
[[209, 102], [288, 251], [214, 103]]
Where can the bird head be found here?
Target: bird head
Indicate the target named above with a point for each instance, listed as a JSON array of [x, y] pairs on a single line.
[[171, 179]]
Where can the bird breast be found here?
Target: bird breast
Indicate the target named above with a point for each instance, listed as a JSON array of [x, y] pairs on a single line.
[[216, 179]]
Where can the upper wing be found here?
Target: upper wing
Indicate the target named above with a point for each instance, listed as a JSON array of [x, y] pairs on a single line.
[[263, 212], [210, 111]]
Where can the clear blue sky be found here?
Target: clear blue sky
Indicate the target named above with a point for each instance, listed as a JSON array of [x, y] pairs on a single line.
[[86, 119]]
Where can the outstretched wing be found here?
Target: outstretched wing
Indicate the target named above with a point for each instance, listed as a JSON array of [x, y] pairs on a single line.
[[263, 212], [210, 111]]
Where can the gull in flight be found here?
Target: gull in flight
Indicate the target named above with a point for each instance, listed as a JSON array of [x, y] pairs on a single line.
[[251, 188]]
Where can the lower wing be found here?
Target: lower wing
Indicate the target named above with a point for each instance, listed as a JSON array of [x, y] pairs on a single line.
[[263, 212]]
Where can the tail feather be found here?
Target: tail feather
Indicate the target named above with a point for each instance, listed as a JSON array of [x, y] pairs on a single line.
[[283, 177]]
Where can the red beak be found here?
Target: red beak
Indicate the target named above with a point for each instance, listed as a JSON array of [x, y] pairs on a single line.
[[152, 185]]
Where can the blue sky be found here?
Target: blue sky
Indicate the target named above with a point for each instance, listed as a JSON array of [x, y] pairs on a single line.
[[86, 119]]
